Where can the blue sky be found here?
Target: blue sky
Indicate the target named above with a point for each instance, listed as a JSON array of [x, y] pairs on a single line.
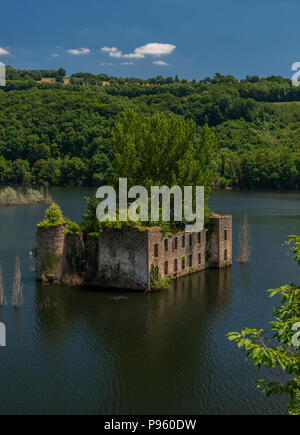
[[193, 38]]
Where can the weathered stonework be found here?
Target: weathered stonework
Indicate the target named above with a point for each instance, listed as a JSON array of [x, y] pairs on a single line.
[[176, 255], [123, 259], [50, 260], [128, 258], [58, 255], [220, 243]]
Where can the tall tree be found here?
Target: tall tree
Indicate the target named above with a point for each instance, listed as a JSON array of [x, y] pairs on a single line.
[[162, 150]]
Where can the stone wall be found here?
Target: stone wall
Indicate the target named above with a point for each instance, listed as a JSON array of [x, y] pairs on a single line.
[[74, 260], [127, 258], [123, 259], [219, 247], [176, 255], [50, 258], [59, 255]]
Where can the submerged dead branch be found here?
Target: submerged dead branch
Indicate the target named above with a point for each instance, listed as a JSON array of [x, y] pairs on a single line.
[[47, 303], [17, 295], [47, 197], [118, 299]]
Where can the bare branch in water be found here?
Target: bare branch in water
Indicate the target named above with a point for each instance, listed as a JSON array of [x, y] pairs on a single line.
[[17, 295], [47, 197]]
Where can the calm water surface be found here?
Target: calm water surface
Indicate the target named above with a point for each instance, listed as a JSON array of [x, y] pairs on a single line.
[[162, 353]]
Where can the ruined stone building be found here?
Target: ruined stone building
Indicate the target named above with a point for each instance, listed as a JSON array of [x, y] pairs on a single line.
[[131, 258]]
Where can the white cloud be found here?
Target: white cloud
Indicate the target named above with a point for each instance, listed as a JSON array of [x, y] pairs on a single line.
[[112, 51], [127, 63], [3, 52], [55, 55], [78, 51], [156, 49], [153, 49], [135, 55], [160, 62], [109, 49]]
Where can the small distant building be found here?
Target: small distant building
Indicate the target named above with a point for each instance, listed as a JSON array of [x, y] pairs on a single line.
[[47, 80], [131, 258]]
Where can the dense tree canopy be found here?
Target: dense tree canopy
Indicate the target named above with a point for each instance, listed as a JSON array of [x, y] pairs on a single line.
[[161, 150], [157, 150], [61, 134]]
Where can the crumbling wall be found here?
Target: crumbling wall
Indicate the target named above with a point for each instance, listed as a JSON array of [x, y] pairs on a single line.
[[177, 254], [123, 259], [126, 258], [219, 248], [49, 253], [73, 273], [91, 252], [59, 255]]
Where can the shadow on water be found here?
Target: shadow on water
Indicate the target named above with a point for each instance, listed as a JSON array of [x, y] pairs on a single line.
[[244, 276], [58, 308], [152, 347]]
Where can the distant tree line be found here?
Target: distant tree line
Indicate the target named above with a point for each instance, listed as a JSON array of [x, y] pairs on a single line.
[[61, 134]]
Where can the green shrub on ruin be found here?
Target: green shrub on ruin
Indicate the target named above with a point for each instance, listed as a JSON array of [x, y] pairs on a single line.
[[51, 261], [93, 236], [72, 227], [53, 217], [156, 281]]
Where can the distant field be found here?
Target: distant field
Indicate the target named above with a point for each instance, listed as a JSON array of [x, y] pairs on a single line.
[[289, 103]]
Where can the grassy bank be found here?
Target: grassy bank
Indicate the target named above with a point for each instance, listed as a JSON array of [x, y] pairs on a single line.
[[23, 196]]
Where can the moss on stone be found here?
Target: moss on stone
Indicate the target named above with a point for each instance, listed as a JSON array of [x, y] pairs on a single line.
[[51, 260], [111, 272], [156, 281]]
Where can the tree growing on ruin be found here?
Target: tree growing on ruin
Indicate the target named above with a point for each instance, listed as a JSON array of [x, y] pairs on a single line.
[[162, 150], [53, 216]]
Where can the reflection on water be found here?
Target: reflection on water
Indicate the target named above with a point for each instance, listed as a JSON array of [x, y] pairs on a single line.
[[74, 350], [244, 271], [59, 309], [152, 333]]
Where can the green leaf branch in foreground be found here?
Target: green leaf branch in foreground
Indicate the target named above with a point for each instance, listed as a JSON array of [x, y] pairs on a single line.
[[280, 345]]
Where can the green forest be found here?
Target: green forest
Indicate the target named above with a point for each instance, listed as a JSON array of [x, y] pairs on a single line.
[[62, 133]]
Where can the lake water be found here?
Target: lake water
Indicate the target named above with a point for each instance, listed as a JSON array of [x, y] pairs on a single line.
[[156, 353]]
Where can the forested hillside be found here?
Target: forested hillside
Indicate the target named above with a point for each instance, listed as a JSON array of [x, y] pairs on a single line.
[[60, 133]]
